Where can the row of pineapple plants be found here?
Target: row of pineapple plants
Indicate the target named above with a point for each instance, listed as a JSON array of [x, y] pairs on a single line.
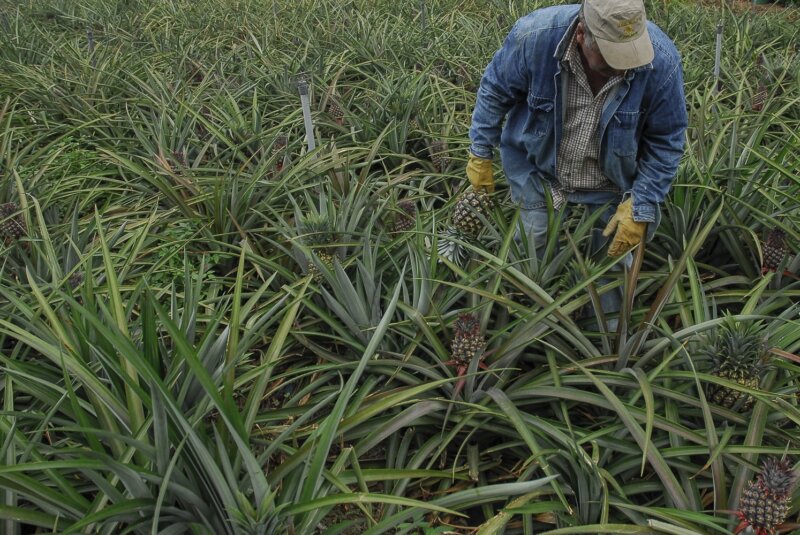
[[208, 329]]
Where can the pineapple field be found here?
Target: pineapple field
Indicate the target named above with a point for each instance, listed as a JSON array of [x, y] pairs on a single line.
[[246, 289]]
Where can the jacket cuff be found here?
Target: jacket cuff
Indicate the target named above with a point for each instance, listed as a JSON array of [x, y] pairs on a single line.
[[645, 212], [481, 151]]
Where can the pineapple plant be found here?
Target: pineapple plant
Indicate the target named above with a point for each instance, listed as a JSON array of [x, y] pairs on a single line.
[[737, 351], [765, 502], [317, 233], [774, 250], [12, 225]]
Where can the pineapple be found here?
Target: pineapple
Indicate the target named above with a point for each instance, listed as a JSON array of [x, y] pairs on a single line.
[[12, 225], [468, 341], [774, 250], [336, 112], [469, 209], [317, 233], [766, 501], [738, 351], [760, 96], [279, 151], [468, 344], [467, 226], [437, 149], [75, 280], [405, 219], [413, 126]]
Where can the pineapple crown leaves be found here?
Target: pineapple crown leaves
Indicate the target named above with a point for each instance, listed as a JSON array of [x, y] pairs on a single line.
[[736, 344], [316, 230], [777, 476]]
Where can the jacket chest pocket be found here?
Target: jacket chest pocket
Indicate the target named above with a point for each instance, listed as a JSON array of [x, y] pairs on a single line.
[[540, 117], [622, 133]]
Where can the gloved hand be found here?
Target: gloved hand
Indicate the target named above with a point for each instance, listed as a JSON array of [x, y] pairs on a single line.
[[479, 173], [629, 232]]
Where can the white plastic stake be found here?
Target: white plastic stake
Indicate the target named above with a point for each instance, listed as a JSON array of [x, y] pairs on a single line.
[[717, 58], [302, 85]]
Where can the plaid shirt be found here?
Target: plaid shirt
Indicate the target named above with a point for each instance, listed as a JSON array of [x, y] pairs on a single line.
[[577, 164]]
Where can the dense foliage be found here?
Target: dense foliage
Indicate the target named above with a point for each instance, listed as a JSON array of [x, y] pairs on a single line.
[[206, 328]]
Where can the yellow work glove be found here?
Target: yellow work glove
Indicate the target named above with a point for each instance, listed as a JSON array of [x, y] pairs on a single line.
[[629, 232], [479, 173]]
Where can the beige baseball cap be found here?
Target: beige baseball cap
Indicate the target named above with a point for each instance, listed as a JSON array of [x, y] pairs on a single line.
[[620, 29]]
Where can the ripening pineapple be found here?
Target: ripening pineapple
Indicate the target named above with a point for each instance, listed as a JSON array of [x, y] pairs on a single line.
[[468, 211], [774, 250], [317, 233], [336, 112], [12, 224], [437, 149], [468, 341], [405, 216], [737, 350], [766, 501]]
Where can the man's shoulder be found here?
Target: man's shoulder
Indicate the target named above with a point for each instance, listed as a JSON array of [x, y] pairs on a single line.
[[547, 18], [666, 53]]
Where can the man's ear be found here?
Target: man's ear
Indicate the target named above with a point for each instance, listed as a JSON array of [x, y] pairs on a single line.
[[579, 33]]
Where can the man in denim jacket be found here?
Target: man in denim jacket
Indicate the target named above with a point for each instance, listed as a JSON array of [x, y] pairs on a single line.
[[593, 103]]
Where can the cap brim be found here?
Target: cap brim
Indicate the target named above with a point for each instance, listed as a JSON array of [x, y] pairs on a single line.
[[628, 55]]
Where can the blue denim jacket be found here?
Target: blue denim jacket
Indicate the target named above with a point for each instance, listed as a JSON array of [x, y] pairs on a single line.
[[642, 124]]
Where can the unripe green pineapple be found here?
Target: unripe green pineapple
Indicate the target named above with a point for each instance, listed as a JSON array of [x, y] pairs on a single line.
[[765, 503], [12, 224], [468, 342], [468, 211], [737, 350], [774, 250]]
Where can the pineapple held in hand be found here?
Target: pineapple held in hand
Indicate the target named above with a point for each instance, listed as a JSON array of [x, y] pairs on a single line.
[[470, 208], [765, 503], [737, 350]]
